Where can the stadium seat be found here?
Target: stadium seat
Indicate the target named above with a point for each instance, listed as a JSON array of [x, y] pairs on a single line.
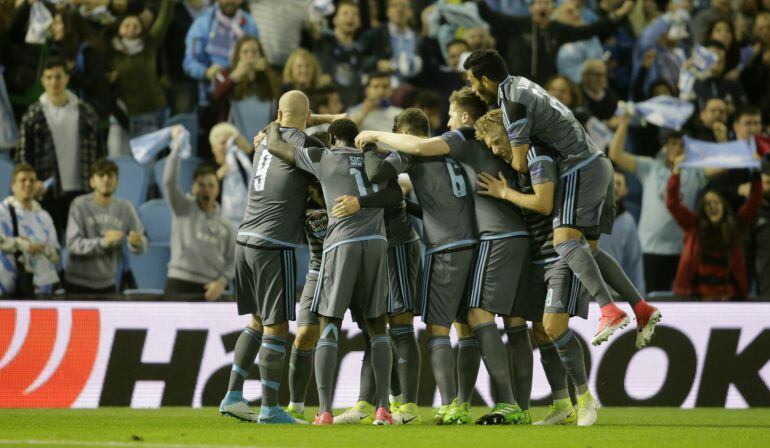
[[155, 214], [134, 180], [190, 122], [187, 169], [6, 168], [150, 268]]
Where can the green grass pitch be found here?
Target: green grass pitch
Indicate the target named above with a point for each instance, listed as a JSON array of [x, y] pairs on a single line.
[[204, 428]]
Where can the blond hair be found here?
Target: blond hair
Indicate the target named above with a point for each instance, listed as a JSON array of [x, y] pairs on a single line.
[[297, 54], [221, 129], [490, 125]]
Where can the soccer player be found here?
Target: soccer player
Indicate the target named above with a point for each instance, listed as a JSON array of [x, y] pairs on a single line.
[[354, 265], [584, 206], [404, 272], [265, 271], [502, 266], [552, 280], [450, 238]]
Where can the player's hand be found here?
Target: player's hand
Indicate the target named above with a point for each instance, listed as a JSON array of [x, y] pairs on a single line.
[[365, 137], [134, 238], [258, 139], [491, 186], [214, 290], [113, 237], [347, 205]]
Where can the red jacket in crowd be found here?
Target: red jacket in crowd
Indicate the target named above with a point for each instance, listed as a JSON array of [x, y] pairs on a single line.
[[684, 283]]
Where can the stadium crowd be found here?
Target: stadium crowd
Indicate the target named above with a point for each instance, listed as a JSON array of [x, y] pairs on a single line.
[[80, 80]]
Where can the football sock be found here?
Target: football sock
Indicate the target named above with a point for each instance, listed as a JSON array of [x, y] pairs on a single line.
[[521, 360], [613, 274], [395, 383], [367, 390], [300, 369], [382, 364], [468, 360], [271, 356], [554, 371], [496, 360], [246, 348], [325, 366], [442, 361], [407, 361], [571, 354], [578, 257]]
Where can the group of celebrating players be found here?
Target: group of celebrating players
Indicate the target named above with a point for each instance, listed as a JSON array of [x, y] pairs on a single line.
[[512, 200]]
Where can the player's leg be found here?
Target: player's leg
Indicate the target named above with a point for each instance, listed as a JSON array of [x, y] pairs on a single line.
[[468, 362], [408, 365], [382, 363], [579, 205], [325, 367], [246, 348], [520, 361], [362, 412], [442, 362], [561, 411], [647, 316], [301, 361]]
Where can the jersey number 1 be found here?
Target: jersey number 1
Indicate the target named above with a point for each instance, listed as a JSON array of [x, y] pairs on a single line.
[[360, 182]]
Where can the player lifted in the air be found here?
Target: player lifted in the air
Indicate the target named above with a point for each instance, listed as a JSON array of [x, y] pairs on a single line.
[[584, 205], [353, 266]]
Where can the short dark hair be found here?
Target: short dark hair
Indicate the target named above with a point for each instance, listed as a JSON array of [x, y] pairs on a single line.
[[467, 101], [428, 99], [486, 62], [746, 109], [375, 75], [320, 96], [412, 121], [204, 169], [104, 166], [55, 61], [343, 130], [22, 168]]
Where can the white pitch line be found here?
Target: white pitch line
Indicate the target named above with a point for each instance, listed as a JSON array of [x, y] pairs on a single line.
[[134, 444]]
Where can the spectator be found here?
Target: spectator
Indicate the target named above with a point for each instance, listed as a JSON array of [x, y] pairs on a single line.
[[303, 72], [340, 54], [747, 124], [326, 101], [231, 149], [760, 235], [661, 240], [619, 47], [210, 40], [568, 93], [202, 240], [375, 113], [280, 26], [29, 246], [572, 55], [432, 106], [454, 51], [246, 95], [723, 31], [702, 22], [599, 99], [755, 76], [529, 43], [395, 47], [711, 123], [712, 265], [134, 72], [59, 138], [623, 244], [97, 227], [182, 91], [478, 38], [717, 85]]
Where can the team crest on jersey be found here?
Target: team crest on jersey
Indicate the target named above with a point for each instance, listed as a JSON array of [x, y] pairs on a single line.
[[356, 161]]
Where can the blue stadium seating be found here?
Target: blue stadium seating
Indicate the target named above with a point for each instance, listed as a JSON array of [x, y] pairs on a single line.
[[155, 214], [186, 170], [134, 180], [190, 122], [150, 268], [6, 168]]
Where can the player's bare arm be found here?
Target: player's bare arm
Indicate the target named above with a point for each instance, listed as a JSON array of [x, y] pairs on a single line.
[[541, 201], [519, 158], [317, 119], [405, 143], [278, 147]]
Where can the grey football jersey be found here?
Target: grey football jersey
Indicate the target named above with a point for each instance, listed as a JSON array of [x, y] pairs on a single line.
[[542, 168], [495, 218], [397, 226], [445, 197], [316, 222], [341, 172], [275, 210], [532, 116]]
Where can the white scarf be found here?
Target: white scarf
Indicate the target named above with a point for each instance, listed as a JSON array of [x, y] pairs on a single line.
[[127, 46]]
